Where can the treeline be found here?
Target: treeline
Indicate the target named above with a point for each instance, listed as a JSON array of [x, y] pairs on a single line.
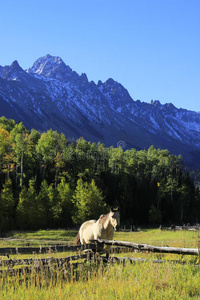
[[47, 182]]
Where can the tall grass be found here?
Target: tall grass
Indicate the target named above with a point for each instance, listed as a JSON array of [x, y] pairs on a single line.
[[177, 278], [139, 281]]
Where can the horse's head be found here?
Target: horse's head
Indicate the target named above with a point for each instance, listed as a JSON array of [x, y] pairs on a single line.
[[115, 217]]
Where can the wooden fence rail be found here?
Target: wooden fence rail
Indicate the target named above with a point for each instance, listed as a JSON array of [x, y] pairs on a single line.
[[38, 250], [145, 247], [184, 227], [42, 261], [98, 245]]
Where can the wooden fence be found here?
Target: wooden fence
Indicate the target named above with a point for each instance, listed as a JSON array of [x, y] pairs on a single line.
[[184, 227], [25, 265]]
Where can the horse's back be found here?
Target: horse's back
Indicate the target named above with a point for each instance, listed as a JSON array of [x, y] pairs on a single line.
[[86, 231]]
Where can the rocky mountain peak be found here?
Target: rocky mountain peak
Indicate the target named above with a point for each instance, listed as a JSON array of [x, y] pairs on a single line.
[[51, 66], [155, 103], [116, 94], [15, 66], [84, 78], [110, 82], [11, 72]]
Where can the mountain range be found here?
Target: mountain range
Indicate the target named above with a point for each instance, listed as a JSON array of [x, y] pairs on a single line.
[[51, 95]]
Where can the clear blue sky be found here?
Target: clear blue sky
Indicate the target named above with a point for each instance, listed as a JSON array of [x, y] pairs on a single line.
[[152, 47]]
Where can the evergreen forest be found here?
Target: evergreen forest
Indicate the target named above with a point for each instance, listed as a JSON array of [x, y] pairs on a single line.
[[48, 182]]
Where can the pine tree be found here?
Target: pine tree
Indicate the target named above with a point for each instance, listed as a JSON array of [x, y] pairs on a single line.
[[29, 209], [7, 205], [65, 203], [88, 202], [44, 202]]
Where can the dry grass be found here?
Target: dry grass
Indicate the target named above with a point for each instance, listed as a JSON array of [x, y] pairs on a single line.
[[177, 278]]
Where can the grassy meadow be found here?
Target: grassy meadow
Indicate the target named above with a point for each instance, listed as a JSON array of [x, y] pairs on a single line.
[[178, 277]]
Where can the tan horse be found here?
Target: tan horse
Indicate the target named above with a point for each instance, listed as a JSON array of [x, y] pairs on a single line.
[[103, 228]]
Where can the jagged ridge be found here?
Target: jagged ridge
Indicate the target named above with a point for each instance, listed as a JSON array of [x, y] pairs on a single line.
[[51, 95]]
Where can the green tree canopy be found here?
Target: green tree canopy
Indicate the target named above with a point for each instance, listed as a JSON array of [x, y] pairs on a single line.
[[88, 201]]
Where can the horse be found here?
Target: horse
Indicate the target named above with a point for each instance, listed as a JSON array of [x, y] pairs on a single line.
[[103, 228]]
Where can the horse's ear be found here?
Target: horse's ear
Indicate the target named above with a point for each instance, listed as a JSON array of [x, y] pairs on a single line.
[[114, 209]]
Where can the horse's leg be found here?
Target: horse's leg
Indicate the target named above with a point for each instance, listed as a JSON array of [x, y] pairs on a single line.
[[107, 249], [95, 237]]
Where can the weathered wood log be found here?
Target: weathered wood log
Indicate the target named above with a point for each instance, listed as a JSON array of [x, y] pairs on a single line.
[[132, 246], [37, 250], [185, 227], [42, 261], [145, 247]]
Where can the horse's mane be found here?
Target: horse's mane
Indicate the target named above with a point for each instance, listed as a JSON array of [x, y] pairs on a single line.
[[104, 219]]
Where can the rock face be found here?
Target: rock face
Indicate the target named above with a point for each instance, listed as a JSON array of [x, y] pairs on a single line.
[[51, 95]]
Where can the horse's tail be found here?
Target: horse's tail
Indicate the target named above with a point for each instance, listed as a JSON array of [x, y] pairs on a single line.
[[77, 240]]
